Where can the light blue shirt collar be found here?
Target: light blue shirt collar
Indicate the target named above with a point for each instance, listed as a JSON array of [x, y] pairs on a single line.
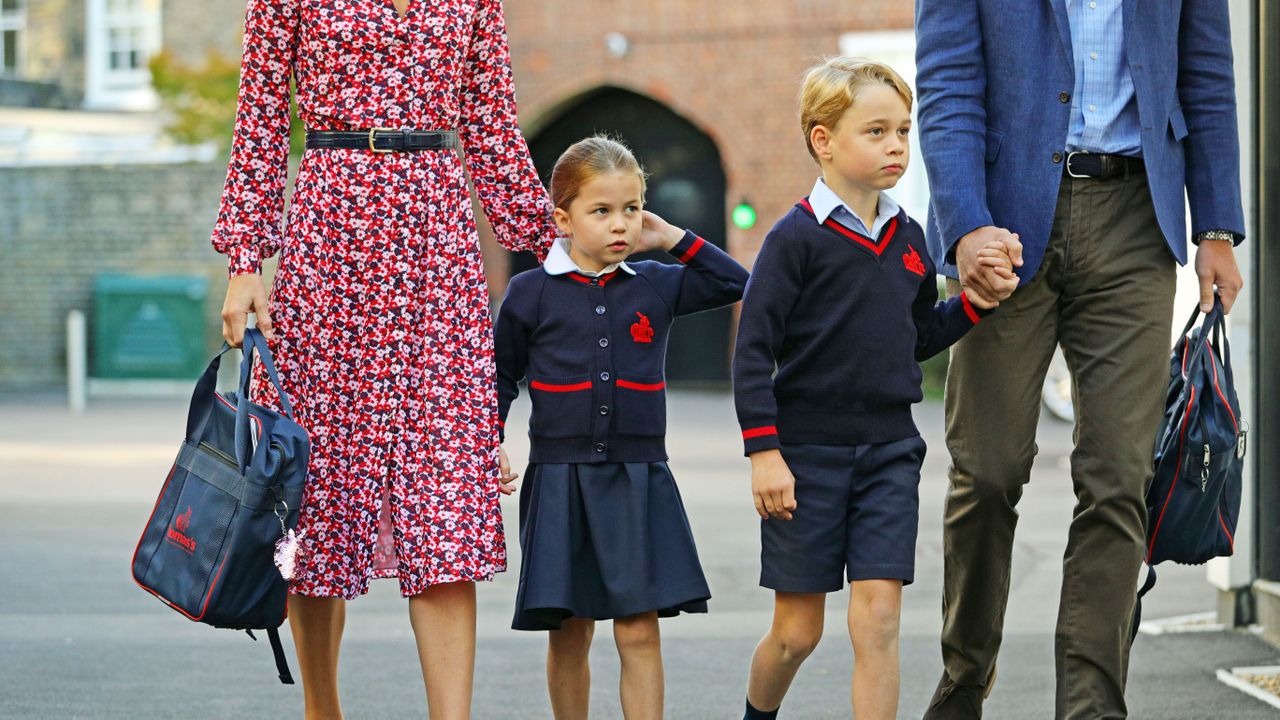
[[827, 204], [559, 262]]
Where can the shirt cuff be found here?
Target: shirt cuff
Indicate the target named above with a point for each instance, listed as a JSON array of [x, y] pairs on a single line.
[[688, 247], [764, 437], [243, 259]]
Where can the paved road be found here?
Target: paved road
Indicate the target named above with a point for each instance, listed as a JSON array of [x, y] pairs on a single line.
[[79, 640]]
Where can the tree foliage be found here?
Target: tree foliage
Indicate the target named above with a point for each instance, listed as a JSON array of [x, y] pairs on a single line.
[[201, 100]]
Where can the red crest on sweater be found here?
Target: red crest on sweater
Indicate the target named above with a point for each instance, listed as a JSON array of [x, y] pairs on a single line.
[[641, 330], [911, 260]]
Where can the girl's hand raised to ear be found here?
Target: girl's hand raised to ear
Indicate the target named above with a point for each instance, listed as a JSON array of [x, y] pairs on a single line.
[[657, 234]]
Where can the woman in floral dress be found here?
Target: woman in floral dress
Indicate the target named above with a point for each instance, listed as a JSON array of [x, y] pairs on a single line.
[[379, 313]]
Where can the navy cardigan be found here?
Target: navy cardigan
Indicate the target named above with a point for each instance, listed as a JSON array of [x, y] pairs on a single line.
[[832, 327], [594, 349]]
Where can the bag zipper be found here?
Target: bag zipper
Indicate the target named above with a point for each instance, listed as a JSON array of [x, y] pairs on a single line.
[[1204, 472], [225, 458]]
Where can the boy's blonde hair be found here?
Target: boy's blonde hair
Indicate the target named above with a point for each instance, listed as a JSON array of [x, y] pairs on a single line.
[[831, 87], [587, 159]]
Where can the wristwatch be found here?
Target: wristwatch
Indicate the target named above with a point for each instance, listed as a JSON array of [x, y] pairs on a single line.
[[1217, 235]]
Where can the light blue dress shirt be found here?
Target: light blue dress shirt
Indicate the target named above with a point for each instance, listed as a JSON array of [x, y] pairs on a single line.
[[826, 204], [1104, 108]]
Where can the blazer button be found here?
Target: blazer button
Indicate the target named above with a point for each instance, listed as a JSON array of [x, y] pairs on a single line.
[[1057, 158], [604, 376], [599, 447], [1064, 97], [595, 281], [604, 409], [604, 342], [599, 309]]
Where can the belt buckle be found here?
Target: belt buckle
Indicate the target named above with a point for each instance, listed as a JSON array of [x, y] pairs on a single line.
[[1071, 172], [371, 134]]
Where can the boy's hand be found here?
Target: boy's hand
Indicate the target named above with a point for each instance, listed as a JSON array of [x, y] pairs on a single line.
[[506, 478], [996, 261], [772, 485], [657, 234]]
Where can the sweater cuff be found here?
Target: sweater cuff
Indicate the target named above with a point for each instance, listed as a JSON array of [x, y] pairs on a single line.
[[688, 247], [755, 439], [243, 259], [974, 313]]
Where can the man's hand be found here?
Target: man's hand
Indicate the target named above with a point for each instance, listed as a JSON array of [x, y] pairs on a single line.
[[245, 294], [1216, 266], [987, 285], [506, 478], [772, 485]]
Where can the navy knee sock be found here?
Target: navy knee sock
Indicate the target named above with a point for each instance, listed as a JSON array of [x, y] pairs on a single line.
[[754, 714]]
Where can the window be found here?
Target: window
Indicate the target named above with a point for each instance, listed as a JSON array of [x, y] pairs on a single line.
[[13, 21], [122, 37]]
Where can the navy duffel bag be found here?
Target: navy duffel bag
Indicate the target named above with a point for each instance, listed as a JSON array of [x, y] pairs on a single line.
[[208, 549]]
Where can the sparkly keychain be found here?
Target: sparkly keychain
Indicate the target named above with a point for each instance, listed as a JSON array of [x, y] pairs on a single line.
[[287, 547]]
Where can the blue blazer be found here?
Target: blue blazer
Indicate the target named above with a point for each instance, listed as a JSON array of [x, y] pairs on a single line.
[[994, 79]]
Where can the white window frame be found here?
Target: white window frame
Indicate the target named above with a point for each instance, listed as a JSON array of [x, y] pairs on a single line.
[[108, 88], [14, 20]]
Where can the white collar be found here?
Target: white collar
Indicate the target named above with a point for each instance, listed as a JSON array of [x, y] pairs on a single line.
[[559, 262], [824, 201]]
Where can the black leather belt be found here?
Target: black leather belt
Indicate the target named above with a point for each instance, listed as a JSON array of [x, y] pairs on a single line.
[[383, 140], [1100, 166]]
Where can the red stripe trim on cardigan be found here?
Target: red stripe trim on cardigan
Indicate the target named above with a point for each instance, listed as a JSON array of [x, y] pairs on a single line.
[[876, 247], [759, 432], [585, 280], [551, 387], [969, 310], [652, 387], [693, 249]]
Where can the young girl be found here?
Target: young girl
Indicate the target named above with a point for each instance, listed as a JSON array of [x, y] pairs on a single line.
[[602, 527]]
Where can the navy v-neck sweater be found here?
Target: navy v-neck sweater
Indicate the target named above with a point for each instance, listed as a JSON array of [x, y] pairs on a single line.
[[833, 327]]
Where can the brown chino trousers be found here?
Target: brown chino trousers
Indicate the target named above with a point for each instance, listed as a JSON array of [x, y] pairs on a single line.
[[1105, 293]]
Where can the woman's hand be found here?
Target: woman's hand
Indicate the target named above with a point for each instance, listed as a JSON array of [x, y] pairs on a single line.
[[506, 478], [656, 233], [245, 294]]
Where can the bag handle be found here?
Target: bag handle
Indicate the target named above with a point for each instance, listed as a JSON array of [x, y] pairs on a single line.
[[198, 412], [255, 344]]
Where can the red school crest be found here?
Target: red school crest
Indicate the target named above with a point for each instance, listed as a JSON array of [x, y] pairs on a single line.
[[641, 330], [911, 260]]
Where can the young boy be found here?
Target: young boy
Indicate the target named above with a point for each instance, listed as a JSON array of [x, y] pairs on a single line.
[[841, 303]]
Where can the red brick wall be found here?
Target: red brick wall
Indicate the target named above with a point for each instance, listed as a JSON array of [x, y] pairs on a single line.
[[730, 68]]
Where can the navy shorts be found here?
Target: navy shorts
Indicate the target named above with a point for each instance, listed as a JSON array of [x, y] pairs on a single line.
[[856, 518]]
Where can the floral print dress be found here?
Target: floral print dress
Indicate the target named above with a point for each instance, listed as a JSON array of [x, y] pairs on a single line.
[[383, 330]]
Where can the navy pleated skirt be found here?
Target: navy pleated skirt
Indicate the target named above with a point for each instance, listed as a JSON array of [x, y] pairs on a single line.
[[604, 541]]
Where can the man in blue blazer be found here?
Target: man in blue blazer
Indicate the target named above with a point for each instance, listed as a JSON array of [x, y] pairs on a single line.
[[1076, 125]]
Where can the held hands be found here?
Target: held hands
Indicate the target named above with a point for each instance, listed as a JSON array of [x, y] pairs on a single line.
[[506, 478], [245, 294], [772, 485], [985, 259], [657, 234]]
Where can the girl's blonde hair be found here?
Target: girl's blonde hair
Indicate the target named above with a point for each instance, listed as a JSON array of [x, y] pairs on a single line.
[[586, 160], [831, 87]]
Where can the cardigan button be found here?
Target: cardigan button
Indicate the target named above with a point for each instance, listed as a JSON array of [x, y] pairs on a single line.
[[604, 409], [595, 281], [605, 376], [604, 342], [600, 309], [599, 447]]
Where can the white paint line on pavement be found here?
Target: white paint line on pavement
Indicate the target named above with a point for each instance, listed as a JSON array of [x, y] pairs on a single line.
[[1235, 678], [86, 454], [1193, 623]]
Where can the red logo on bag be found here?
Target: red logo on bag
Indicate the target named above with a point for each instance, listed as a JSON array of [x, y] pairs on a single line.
[[183, 521], [642, 331], [176, 536], [913, 262]]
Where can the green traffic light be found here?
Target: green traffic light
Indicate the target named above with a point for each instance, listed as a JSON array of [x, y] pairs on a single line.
[[744, 216]]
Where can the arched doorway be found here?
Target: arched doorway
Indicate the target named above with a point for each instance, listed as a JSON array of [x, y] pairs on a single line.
[[686, 187]]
